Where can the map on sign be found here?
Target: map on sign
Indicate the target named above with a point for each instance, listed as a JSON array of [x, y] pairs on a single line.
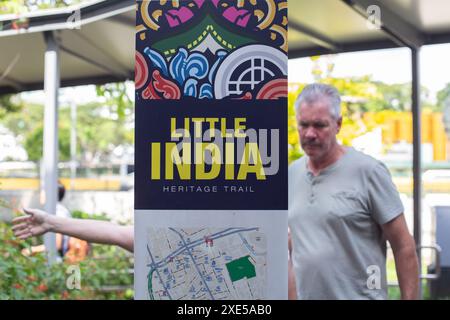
[[206, 263]]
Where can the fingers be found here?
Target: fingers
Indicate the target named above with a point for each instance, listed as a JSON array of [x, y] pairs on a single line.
[[23, 234], [29, 214], [21, 219], [30, 225], [22, 231], [20, 226], [30, 211]]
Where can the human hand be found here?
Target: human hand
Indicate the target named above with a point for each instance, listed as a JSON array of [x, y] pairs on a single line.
[[35, 223]]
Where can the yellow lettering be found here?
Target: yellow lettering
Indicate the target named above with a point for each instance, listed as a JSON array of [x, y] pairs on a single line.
[[200, 165], [156, 161], [239, 127], [173, 158], [251, 151], [223, 128], [198, 126], [229, 161], [212, 126]]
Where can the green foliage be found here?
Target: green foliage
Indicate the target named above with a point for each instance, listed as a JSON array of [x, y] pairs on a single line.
[[117, 99], [30, 277], [77, 214], [294, 150], [393, 96], [12, 6], [98, 132], [443, 98], [9, 103], [35, 139]]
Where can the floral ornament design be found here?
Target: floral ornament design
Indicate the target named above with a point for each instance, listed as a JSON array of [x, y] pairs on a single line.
[[187, 73], [182, 44]]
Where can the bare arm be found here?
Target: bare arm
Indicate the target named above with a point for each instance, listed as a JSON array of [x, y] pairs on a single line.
[[406, 263], [292, 291], [38, 222]]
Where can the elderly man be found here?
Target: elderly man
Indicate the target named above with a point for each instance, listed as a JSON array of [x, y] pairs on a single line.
[[343, 207]]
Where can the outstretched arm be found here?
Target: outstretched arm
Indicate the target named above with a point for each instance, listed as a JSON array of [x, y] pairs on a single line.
[[38, 222]]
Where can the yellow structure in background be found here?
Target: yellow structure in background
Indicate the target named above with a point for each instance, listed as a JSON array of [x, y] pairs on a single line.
[[79, 184], [397, 127]]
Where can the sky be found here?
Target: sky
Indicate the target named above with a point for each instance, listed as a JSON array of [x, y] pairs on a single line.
[[389, 66]]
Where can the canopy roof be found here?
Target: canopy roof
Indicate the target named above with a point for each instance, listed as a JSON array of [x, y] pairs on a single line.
[[99, 47], [333, 26]]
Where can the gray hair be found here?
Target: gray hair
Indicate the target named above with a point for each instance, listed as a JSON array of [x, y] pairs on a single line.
[[316, 91]]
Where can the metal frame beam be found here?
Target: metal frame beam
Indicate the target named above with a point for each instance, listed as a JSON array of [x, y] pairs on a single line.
[[417, 163], [60, 19], [438, 38], [315, 37], [14, 83], [344, 47], [65, 83]]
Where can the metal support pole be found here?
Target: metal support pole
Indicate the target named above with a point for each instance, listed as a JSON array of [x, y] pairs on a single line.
[[73, 142], [51, 87], [417, 165]]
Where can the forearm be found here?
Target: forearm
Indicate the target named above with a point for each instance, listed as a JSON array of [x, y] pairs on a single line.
[[292, 291], [407, 272], [93, 231]]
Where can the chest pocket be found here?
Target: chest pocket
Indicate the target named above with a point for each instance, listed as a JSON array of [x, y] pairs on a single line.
[[346, 203]]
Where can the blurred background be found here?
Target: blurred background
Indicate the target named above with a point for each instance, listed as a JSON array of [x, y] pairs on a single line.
[[330, 43]]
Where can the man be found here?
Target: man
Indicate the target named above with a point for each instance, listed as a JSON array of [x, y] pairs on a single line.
[[343, 207]]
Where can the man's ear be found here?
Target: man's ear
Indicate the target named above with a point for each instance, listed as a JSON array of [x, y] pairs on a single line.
[[339, 124]]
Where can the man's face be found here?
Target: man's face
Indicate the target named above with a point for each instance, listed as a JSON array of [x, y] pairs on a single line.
[[317, 128]]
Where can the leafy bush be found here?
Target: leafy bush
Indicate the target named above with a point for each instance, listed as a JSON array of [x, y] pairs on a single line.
[[105, 274], [77, 214]]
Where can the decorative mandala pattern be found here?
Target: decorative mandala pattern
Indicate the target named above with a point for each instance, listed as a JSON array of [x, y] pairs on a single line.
[[211, 49]]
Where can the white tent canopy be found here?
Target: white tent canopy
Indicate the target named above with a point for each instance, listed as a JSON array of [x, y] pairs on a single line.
[[96, 45], [333, 26]]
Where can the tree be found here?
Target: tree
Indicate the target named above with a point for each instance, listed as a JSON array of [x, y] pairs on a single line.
[[99, 131], [34, 143], [443, 104], [443, 97], [294, 150], [116, 98], [9, 103]]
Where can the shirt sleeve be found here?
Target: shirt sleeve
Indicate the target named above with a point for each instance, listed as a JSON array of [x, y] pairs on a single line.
[[384, 200]]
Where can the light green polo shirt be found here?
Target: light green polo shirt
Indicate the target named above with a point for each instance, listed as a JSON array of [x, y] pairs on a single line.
[[338, 247]]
